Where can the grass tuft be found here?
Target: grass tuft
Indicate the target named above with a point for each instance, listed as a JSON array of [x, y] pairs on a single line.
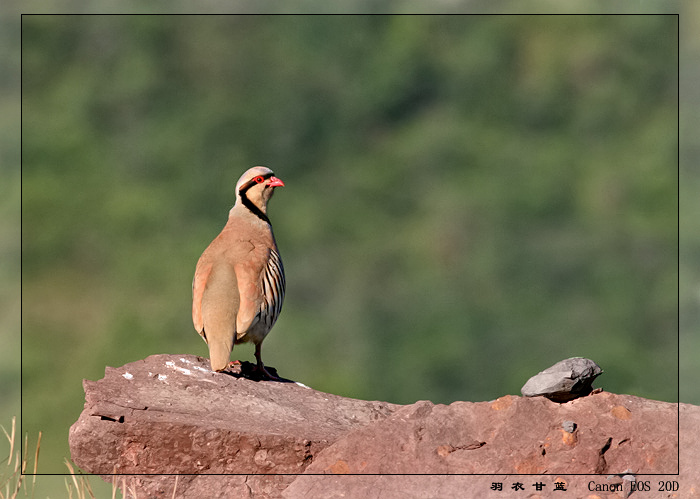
[[12, 477]]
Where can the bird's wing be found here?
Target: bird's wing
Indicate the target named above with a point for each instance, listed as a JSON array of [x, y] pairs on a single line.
[[215, 295], [219, 310], [201, 274]]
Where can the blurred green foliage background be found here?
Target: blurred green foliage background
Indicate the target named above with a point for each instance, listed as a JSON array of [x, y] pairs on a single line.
[[468, 199]]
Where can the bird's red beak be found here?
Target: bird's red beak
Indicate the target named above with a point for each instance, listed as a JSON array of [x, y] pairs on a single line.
[[275, 182]]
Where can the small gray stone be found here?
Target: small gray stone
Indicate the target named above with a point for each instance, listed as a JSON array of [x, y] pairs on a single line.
[[564, 381], [569, 426]]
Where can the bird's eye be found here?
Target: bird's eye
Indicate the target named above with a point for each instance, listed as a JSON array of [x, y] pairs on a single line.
[[258, 179]]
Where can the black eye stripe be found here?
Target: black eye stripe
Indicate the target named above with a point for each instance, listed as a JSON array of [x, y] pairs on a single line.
[[252, 182]]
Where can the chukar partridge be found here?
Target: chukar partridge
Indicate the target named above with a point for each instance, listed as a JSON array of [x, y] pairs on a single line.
[[239, 284]]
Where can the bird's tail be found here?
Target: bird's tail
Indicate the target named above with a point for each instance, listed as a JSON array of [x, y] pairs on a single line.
[[220, 353]]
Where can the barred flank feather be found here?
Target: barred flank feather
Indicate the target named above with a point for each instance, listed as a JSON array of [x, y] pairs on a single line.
[[273, 289]]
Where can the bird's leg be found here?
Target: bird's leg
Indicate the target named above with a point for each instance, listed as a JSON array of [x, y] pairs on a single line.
[[261, 367]]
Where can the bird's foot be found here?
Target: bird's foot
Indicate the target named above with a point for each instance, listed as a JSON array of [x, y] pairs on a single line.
[[234, 367], [264, 373], [255, 372]]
